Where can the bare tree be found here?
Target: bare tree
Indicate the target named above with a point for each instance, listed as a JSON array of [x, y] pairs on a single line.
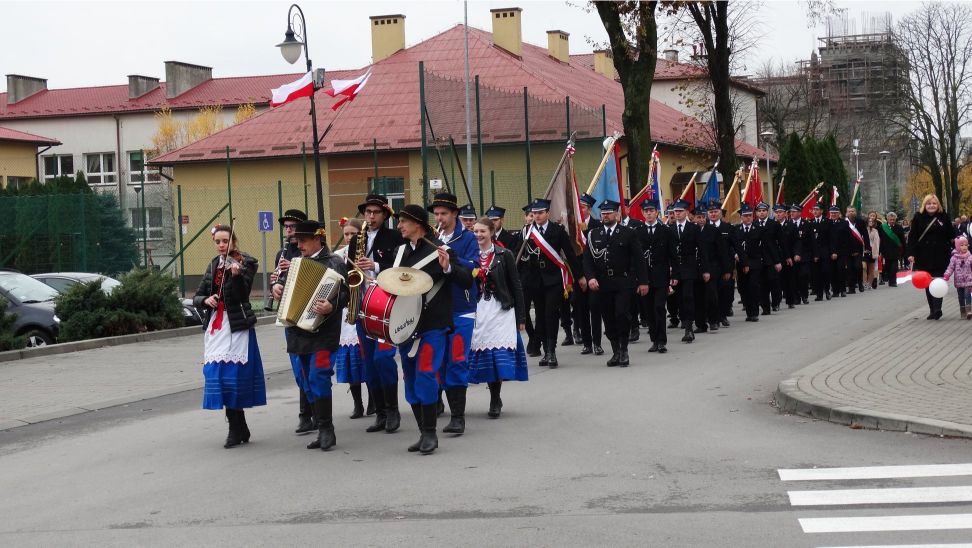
[[792, 104], [633, 36], [937, 39]]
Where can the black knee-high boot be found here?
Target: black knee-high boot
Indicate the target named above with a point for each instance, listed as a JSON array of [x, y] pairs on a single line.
[[355, 390], [370, 408], [393, 419], [325, 426], [306, 422], [457, 405], [377, 396], [495, 402], [244, 429], [417, 413], [429, 441], [233, 436]]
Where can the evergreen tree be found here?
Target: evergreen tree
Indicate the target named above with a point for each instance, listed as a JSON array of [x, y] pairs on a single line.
[[800, 176]]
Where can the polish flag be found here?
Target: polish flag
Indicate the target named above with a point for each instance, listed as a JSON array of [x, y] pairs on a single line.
[[347, 89], [304, 87]]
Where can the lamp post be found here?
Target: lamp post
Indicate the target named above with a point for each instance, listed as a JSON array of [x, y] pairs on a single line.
[[766, 135], [295, 40], [884, 161]]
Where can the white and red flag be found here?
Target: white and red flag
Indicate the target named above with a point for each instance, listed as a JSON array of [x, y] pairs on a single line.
[[303, 87], [347, 89]]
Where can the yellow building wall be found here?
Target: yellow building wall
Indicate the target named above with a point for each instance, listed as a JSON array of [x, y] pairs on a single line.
[[17, 160]]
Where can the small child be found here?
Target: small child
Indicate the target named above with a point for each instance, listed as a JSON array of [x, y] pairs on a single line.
[[961, 266]]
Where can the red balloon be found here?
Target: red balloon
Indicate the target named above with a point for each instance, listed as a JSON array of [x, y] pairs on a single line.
[[921, 279]]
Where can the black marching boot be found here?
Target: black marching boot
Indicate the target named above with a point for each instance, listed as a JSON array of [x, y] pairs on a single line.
[[306, 422], [417, 413], [689, 335], [244, 429], [457, 405], [495, 402], [393, 419], [325, 426], [615, 356], [623, 360], [358, 405], [552, 354], [233, 436], [377, 396], [429, 441], [439, 405], [370, 408]]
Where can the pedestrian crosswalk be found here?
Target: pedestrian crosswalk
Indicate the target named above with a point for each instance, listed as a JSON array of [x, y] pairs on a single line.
[[900, 506]]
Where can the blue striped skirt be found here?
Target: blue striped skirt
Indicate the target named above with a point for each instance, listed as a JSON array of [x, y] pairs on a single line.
[[348, 365], [498, 364], [234, 385]]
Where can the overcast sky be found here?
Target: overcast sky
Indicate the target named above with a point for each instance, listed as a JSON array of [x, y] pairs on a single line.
[[94, 43]]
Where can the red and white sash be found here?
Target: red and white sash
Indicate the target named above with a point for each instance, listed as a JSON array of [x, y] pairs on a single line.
[[552, 255], [855, 232]]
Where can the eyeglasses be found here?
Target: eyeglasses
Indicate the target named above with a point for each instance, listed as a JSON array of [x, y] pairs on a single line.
[[290, 226], [373, 211]]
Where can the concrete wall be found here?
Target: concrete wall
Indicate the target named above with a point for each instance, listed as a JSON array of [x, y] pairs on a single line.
[[16, 160]]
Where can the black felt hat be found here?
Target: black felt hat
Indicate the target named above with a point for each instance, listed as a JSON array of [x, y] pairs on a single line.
[[378, 200], [293, 215], [417, 213], [444, 199]]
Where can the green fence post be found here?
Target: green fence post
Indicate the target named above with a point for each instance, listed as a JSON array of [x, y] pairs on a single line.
[[492, 186], [374, 153], [603, 120], [479, 145], [84, 235], [144, 225], [568, 116], [425, 152], [280, 210], [182, 260], [526, 134], [303, 155], [229, 186]]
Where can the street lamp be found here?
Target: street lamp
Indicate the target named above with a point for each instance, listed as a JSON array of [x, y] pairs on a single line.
[[767, 135], [884, 161], [290, 48]]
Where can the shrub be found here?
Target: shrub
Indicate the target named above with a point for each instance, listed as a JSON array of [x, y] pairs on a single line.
[[8, 341], [145, 301]]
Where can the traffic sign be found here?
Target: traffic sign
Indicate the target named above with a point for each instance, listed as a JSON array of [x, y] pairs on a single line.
[[266, 221], [185, 219]]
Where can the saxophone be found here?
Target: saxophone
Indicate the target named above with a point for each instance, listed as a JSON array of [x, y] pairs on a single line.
[[356, 277]]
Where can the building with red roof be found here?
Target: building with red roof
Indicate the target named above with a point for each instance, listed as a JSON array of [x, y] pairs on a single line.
[[18, 156], [374, 143]]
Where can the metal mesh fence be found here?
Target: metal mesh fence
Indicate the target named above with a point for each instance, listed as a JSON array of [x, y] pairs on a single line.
[[517, 141]]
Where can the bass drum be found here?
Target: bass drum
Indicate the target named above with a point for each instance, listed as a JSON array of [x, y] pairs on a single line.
[[390, 318]]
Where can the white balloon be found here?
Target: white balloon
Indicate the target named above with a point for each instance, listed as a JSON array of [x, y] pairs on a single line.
[[938, 288]]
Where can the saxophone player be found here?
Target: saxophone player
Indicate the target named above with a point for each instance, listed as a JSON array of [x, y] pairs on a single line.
[[376, 253], [312, 351]]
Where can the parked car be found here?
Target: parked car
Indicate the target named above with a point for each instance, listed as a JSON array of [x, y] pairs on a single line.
[[62, 281], [33, 303]]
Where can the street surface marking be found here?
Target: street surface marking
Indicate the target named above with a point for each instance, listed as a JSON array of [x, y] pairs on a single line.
[[962, 545], [876, 472], [906, 495], [886, 523]]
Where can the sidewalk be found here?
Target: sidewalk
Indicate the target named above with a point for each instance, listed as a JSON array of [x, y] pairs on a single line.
[[913, 375], [54, 386]]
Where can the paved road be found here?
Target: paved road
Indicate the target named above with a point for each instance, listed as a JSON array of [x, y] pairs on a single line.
[[679, 450]]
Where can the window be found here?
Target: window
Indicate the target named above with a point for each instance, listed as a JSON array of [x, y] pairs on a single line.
[[154, 217], [55, 166], [18, 183], [99, 168], [392, 188], [135, 166]]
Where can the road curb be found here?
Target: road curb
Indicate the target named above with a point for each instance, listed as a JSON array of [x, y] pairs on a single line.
[[791, 399], [64, 348]]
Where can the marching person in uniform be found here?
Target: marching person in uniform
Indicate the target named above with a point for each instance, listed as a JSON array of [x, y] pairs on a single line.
[[378, 243], [586, 305], [467, 215], [658, 250], [635, 224], [455, 368], [790, 239], [533, 340], [860, 245], [771, 293], [841, 237], [749, 261], [801, 251], [820, 250], [313, 350], [546, 260], [496, 353], [613, 264], [725, 284], [422, 366], [708, 312], [232, 366], [689, 266]]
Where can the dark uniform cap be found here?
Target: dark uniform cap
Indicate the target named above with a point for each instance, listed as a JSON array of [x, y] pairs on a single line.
[[496, 212], [609, 206], [744, 209], [588, 200], [762, 205], [779, 207], [540, 204], [467, 211], [795, 207], [680, 205], [714, 205], [649, 204], [834, 209]]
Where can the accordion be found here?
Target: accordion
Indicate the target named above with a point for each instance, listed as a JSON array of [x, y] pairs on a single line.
[[308, 281]]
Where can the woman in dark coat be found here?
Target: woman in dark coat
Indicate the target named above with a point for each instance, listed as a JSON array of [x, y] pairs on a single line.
[[232, 367], [930, 245], [496, 351]]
